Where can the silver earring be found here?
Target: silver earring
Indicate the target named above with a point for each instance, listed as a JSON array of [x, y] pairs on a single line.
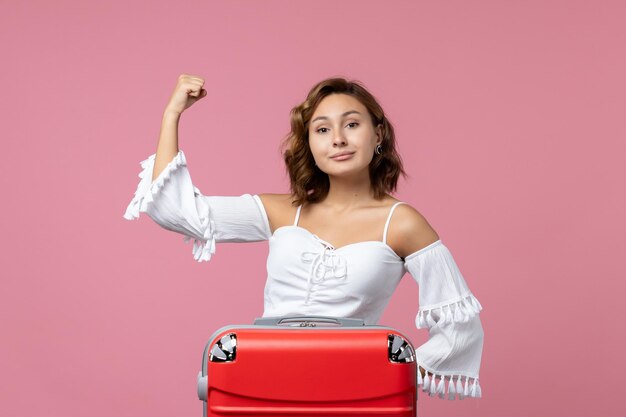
[[378, 150]]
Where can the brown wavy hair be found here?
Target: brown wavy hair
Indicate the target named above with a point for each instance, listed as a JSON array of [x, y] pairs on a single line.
[[310, 184]]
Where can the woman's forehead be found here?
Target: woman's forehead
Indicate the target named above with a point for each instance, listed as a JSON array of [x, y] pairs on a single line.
[[336, 106]]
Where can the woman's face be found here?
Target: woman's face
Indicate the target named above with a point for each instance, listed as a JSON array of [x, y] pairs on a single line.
[[342, 137]]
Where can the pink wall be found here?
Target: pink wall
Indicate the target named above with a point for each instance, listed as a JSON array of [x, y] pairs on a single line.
[[510, 119]]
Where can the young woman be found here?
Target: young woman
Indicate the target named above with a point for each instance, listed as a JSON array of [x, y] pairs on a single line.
[[339, 243]]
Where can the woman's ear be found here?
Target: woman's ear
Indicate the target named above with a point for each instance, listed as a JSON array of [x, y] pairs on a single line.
[[379, 134]]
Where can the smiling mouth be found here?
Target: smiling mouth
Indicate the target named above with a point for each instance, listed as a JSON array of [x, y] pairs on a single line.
[[342, 156]]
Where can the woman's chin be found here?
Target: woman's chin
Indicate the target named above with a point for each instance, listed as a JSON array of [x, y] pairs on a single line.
[[347, 172]]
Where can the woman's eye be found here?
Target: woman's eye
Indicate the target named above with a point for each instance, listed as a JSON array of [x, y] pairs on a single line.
[[325, 129]]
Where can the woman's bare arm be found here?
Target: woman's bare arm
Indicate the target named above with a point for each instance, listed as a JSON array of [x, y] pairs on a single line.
[[279, 210], [188, 90], [168, 142], [409, 231]]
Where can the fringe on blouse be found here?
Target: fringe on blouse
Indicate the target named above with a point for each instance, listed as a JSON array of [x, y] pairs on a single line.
[[457, 385], [458, 312], [147, 189]]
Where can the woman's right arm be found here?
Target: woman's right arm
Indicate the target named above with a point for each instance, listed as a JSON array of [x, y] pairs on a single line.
[[168, 142], [188, 90], [168, 196]]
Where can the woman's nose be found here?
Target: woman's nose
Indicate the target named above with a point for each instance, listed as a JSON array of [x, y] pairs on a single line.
[[339, 139]]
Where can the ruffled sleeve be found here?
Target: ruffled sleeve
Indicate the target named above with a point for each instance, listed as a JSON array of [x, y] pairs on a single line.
[[173, 202], [447, 308]]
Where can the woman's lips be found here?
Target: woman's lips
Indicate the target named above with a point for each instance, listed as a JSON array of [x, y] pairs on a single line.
[[342, 157]]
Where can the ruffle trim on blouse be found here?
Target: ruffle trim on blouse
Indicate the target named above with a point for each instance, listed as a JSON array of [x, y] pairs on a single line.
[[203, 249], [457, 312], [435, 384], [147, 189]]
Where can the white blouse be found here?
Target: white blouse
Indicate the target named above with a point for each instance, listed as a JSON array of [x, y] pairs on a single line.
[[306, 275]]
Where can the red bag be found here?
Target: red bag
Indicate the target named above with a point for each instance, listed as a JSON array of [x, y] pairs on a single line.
[[308, 365]]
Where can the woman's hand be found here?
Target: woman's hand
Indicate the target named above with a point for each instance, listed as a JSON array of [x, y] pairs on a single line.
[[188, 90]]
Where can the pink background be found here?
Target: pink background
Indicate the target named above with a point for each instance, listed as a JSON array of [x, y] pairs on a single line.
[[509, 117]]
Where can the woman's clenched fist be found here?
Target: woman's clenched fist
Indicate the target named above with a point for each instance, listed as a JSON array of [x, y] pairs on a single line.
[[188, 90]]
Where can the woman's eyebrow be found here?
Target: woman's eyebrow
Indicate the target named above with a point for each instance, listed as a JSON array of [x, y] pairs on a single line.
[[343, 115]]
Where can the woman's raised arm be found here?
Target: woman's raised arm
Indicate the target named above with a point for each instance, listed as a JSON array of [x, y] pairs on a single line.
[[167, 194], [188, 90]]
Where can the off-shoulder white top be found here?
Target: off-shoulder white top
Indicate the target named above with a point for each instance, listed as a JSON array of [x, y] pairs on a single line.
[[306, 275]]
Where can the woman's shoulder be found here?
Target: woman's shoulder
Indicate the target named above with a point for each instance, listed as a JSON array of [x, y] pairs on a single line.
[[409, 230], [279, 208]]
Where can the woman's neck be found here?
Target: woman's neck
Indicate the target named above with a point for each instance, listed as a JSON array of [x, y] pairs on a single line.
[[348, 193]]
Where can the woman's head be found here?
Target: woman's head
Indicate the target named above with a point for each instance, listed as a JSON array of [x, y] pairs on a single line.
[[317, 134]]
